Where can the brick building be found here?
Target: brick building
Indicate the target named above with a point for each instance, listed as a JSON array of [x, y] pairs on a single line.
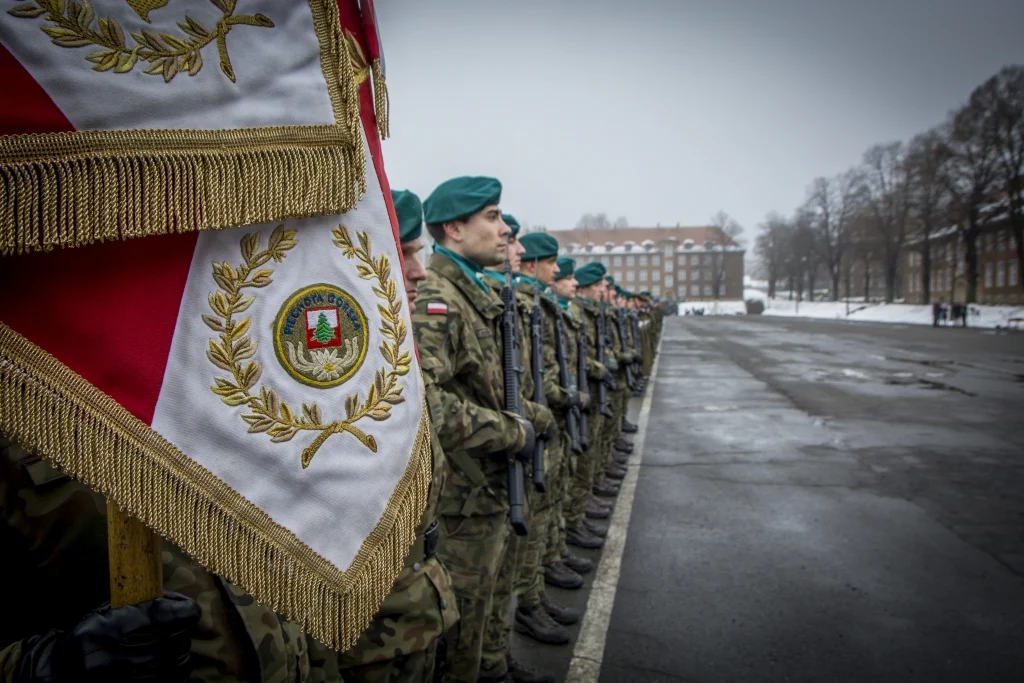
[[680, 263], [998, 268]]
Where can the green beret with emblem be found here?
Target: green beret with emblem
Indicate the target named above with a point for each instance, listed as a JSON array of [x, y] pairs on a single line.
[[409, 211], [539, 245], [511, 222], [589, 274], [566, 266], [460, 198], [609, 279]]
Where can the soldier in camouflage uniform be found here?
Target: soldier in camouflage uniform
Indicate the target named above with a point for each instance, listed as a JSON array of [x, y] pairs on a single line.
[[54, 534], [496, 660], [536, 615], [401, 641], [456, 327], [591, 289], [560, 565]]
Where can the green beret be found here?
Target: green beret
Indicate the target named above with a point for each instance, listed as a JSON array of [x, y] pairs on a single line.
[[589, 274], [539, 245], [609, 279], [460, 197], [511, 222], [410, 214], [565, 267], [645, 293]]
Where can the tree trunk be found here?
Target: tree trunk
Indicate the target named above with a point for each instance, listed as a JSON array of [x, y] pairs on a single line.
[[811, 277], [867, 281], [834, 272], [792, 286], [1018, 237], [926, 271], [971, 256], [771, 285], [892, 266]]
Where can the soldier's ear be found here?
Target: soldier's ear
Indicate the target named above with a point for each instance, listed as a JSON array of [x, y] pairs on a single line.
[[453, 230]]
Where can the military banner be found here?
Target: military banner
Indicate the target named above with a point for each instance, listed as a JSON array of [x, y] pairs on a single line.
[[204, 315]]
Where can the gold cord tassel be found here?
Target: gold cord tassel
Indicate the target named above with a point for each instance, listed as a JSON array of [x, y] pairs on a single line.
[[381, 105]]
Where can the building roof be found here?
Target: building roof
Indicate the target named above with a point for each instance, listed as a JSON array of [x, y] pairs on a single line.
[[699, 235]]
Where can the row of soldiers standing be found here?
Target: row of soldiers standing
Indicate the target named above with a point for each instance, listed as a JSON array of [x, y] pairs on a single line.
[[579, 346], [576, 347]]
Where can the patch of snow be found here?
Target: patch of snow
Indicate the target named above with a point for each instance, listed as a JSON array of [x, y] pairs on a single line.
[[988, 317]]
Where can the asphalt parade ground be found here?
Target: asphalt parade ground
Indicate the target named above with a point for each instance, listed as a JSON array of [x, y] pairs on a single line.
[[813, 501]]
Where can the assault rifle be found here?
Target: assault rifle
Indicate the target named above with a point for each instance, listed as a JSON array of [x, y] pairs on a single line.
[[602, 358], [637, 343], [581, 379], [624, 342], [537, 370], [572, 418], [514, 401]]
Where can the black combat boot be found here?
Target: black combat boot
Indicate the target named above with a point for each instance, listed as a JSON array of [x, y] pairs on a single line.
[[606, 489], [597, 511], [581, 538], [628, 427], [615, 471], [621, 444], [580, 565], [620, 457], [535, 622], [595, 528], [559, 575], [520, 673], [566, 616]]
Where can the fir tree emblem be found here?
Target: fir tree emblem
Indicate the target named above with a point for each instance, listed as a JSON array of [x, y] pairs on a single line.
[[323, 332]]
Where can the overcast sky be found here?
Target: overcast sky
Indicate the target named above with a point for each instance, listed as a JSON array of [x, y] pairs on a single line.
[[666, 112]]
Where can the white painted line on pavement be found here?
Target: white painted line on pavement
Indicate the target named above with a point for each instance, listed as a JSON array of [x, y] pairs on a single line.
[[585, 665]]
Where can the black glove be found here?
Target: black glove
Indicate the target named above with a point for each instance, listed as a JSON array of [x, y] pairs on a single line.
[[608, 379], [525, 453], [149, 642], [572, 399]]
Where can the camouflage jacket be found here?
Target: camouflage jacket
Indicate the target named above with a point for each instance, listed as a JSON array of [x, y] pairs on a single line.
[[54, 536], [554, 393], [421, 605], [459, 341], [588, 312]]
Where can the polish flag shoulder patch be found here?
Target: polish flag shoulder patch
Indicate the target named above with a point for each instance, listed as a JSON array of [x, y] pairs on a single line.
[[437, 309]]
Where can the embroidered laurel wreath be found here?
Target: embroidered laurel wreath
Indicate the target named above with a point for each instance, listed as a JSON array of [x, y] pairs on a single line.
[[268, 412]]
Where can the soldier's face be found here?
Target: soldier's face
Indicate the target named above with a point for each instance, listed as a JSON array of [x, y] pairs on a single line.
[[413, 270], [515, 253], [566, 287], [547, 269], [481, 238], [592, 292]]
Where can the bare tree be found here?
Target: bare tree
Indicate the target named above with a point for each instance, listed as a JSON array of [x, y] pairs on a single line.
[[597, 221], [728, 230], [887, 183], [1001, 99], [621, 222], [927, 155], [831, 204], [771, 246], [970, 177]]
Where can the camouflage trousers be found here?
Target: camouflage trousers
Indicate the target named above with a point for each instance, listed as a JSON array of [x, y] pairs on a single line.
[[586, 464], [618, 400], [559, 485], [472, 549], [497, 634], [417, 667], [544, 507]]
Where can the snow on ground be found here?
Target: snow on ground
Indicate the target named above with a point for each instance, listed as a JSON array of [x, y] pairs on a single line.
[[981, 316]]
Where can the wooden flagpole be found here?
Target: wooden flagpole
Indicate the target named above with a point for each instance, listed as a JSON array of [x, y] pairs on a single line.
[[136, 561]]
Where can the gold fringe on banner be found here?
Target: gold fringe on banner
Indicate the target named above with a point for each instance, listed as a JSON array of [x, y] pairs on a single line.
[[51, 410], [74, 189], [381, 104]]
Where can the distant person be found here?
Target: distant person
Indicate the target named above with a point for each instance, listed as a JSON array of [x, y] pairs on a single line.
[[936, 313]]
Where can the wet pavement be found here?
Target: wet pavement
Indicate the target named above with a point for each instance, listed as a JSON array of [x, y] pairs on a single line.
[[822, 501]]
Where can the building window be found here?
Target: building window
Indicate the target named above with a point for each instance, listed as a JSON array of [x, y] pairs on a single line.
[[643, 276], [668, 251], [617, 260], [630, 275], [707, 290], [707, 259], [656, 275], [695, 260], [655, 260], [1002, 240], [668, 281], [986, 241], [643, 260], [618, 276], [1012, 274], [681, 259], [707, 275], [1001, 274], [988, 276], [630, 260], [694, 290], [694, 274], [668, 266], [656, 290]]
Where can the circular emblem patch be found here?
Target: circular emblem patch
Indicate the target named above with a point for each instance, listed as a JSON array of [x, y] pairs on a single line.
[[320, 336]]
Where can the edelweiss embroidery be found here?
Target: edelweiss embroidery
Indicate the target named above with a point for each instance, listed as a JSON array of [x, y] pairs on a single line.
[[315, 316], [167, 54]]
